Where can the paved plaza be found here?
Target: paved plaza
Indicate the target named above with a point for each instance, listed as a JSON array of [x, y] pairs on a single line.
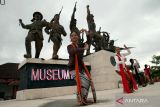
[[106, 98]]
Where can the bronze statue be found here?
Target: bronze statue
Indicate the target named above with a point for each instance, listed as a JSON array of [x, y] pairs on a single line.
[[55, 30], [35, 34], [94, 37], [105, 40], [91, 28], [90, 21], [73, 22], [73, 28], [111, 46]]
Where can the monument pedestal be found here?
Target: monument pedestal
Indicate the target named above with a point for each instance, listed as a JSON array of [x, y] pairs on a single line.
[[48, 78], [102, 72], [45, 78]]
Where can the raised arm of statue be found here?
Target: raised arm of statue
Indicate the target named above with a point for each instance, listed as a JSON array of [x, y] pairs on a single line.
[[88, 13], [74, 10], [72, 22], [23, 25]]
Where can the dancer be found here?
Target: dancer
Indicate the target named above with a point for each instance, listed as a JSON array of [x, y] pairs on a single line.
[[79, 71], [134, 67], [147, 73], [121, 68]]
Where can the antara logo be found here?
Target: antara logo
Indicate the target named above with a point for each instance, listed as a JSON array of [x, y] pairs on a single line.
[[120, 100], [2, 2]]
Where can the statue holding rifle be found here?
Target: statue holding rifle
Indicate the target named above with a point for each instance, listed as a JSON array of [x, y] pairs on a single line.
[[73, 22], [55, 30], [94, 37], [73, 27], [105, 40]]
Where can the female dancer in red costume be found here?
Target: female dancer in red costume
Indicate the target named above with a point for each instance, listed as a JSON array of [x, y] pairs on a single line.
[[129, 84]]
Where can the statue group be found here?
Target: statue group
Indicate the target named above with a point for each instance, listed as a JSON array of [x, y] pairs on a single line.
[[100, 40]]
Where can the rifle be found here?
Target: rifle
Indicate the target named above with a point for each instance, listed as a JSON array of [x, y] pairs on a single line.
[[53, 20], [99, 31], [75, 5], [58, 14], [60, 11]]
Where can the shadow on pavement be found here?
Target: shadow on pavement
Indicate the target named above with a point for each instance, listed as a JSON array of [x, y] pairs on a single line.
[[68, 103]]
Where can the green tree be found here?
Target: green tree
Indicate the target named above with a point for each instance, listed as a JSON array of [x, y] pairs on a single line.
[[156, 67], [156, 60]]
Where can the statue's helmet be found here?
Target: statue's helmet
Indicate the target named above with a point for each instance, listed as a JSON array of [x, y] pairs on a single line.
[[56, 16], [35, 13]]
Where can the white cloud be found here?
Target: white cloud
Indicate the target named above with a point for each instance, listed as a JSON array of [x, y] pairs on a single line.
[[133, 22]]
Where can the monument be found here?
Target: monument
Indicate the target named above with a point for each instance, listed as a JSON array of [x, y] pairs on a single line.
[[46, 78]]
